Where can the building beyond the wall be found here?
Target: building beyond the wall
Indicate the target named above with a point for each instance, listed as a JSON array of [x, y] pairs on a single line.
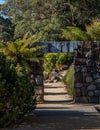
[[60, 46]]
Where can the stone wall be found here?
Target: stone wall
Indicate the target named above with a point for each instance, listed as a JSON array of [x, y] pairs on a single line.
[[87, 73], [37, 81]]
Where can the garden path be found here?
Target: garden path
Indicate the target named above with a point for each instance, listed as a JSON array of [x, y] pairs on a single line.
[[59, 112], [55, 96]]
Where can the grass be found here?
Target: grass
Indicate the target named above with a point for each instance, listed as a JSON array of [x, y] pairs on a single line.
[[68, 80]]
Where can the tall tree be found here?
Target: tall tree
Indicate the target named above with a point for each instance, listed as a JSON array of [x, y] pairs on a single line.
[[77, 12], [41, 14]]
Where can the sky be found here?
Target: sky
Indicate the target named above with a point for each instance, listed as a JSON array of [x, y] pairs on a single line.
[[1, 1]]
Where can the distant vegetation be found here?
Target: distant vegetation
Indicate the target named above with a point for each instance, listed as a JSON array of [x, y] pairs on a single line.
[[78, 18], [56, 60]]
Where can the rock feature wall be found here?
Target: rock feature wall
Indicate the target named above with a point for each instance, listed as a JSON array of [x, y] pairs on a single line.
[[87, 73], [37, 81]]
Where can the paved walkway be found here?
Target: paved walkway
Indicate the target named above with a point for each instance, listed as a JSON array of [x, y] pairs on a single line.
[[59, 112]]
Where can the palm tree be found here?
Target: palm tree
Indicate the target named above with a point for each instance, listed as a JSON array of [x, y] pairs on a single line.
[[23, 51]]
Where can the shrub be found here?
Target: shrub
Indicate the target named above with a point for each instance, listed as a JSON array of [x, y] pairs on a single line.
[[93, 30], [16, 93], [49, 61], [45, 75], [68, 79], [55, 60], [74, 34]]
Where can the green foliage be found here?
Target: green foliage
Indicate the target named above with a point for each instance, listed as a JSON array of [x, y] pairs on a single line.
[[93, 30], [49, 61], [6, 29], [49, 29], [17, 98], [52, 60], [47, 18], [21, 51], [77, 12], [68, 79], [74, 34], [22, 27]]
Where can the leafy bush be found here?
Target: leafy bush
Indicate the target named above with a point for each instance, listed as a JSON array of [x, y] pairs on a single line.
[[16, 92], [52, 60], [74, 34], [93, 30], [68, 79]]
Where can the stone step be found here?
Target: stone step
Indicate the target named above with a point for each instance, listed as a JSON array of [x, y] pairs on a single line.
[[56, 97]]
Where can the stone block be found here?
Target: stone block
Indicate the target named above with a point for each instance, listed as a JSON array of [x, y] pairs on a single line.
[[39, 79], [90, 93], [89, 79], [78, 85], [96, 93], [91, 87]]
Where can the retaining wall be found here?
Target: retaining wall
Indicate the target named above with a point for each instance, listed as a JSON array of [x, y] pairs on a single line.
[[87, 73]]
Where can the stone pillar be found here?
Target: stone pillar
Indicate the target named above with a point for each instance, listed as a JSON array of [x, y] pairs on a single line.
[[37, 81], [87, 73]]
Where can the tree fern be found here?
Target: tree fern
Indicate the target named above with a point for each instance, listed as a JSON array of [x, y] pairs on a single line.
[[23, 51]]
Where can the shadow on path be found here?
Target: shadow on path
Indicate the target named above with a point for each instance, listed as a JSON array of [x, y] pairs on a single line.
[[58, 101]]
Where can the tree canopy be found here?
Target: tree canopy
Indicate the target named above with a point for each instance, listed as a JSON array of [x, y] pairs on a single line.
[[47, 18]]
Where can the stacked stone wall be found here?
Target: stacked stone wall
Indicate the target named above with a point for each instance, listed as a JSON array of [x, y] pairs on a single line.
[[37, 81], [87, 73]]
